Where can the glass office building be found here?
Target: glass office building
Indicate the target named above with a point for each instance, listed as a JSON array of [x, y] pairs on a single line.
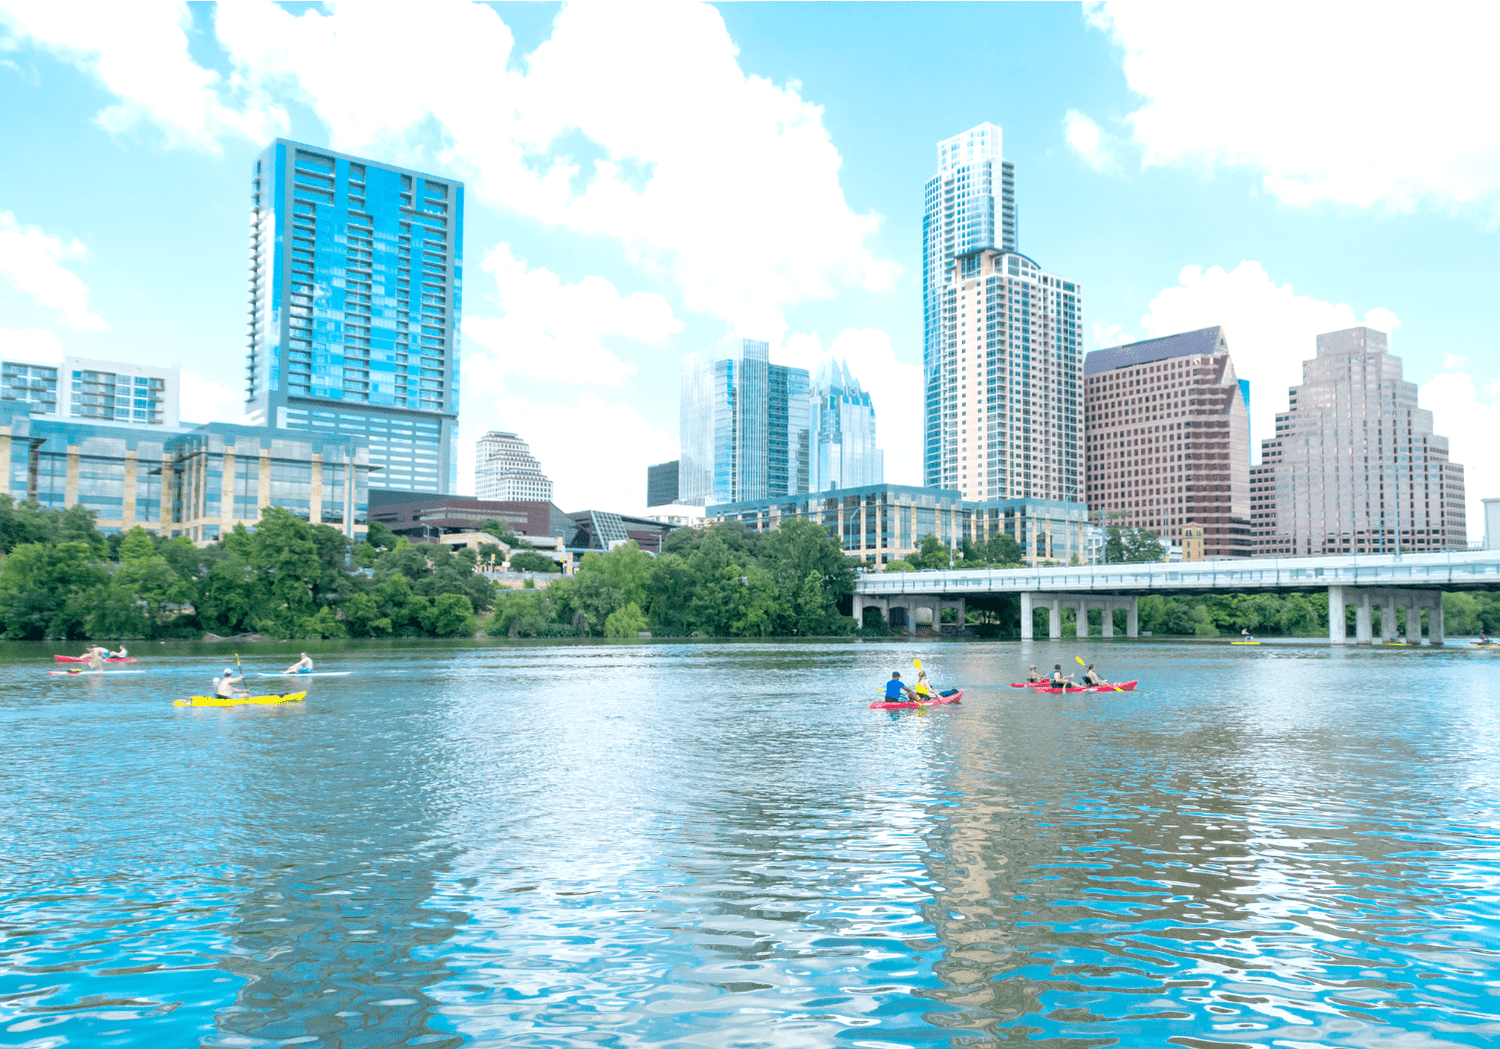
[[199, 483], [841, 421], [744, 426], [356, 279]]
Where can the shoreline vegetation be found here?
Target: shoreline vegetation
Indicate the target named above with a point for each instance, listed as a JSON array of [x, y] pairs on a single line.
[[62, 579]]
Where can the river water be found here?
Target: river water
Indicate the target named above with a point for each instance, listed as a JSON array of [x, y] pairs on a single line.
[[719, 845]]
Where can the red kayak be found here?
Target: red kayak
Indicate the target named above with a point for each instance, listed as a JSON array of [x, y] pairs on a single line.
[[84, 659], [1118, 686], [945, 698], [1028, 684]]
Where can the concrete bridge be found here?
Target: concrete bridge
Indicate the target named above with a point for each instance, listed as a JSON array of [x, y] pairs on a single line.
[[1412, 581]]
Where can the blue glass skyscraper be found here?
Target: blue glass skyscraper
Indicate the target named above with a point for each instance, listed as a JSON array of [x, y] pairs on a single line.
[[744, 425], [356, 283]]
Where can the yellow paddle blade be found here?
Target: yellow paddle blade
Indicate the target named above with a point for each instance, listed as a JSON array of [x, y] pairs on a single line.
[[1080, 661], [917, 663]]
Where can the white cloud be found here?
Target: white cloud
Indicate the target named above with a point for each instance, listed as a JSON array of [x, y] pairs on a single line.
[[1089, 141], [1470, 426], [30, 344], [1110, 334], [895, 390], [1453, 362], [1367, 104], [595, 451], [139, 53], [1271, 329], [551, 330], [631, 122], [206, 401], [33, 260]]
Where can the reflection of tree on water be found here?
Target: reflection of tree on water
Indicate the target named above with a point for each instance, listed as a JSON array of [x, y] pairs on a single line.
[[334, 861]]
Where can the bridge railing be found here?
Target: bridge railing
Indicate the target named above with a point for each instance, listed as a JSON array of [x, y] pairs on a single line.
[[1453, 569]]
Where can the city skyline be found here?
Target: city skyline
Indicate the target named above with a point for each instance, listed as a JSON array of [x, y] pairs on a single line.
[[1277, 231]]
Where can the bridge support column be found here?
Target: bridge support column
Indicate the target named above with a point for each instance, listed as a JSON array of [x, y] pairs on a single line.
[[1054, 620], [961, 609], [1132, 617], [1387, 617], [1082, 625], [1336, 631], [858, 611], [1362, 632], [1107, 621], [1413, 622], [1028, 620], [1435, 620]]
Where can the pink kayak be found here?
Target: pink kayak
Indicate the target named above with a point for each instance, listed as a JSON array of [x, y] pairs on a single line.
[[1116, 686], [943, 699], [84, 659], [1028, 684]]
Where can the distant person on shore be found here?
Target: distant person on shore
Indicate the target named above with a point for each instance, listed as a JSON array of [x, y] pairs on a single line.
[[302, 666], [1091, 676], [1059, 679], [895, 691], [1035, 677], [231, 685]]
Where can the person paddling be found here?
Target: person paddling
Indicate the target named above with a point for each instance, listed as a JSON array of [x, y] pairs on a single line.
[[121, 654], [1059, 679], [1035, 677], [231, 685], [1091, 677], [1245, 634], [895, 691], [302, 666]]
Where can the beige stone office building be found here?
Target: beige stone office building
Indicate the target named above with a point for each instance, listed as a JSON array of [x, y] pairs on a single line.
[[1354, 462], [1167, 439]]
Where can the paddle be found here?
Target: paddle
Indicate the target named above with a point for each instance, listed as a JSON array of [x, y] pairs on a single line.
[[1081, 663]]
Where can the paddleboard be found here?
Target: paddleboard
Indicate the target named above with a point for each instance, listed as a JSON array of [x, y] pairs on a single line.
[[76, 673], [238, 701], [315, 673], [1244, 642]]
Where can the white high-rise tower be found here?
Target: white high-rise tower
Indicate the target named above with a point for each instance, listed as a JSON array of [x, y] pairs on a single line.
[[505, 469]]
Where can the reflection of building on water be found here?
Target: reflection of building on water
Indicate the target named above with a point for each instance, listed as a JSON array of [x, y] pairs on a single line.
[[1037, 908], [332, 937]]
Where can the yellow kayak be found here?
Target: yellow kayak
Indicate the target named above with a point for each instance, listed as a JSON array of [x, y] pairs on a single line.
[[1244, 642], [235, 701]]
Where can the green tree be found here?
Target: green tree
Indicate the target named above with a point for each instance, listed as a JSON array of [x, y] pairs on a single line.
[[627, 568], [531, 561], [1129, 545], [45, 588], [452, 616], [625, 621], [1002, 549], [900, 565], [932, 552]]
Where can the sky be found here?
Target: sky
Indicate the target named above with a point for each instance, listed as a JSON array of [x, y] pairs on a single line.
[[645, 180]]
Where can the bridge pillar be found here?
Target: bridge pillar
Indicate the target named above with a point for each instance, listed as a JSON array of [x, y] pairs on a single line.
[[1387, 617], [1413, 621], [1082, 625], [1336, 631], [961, 609], [1435, 620], [1028, 620], [1054, 619], [1362, 633], [1132, 617], [1107, 621], [858, 610]]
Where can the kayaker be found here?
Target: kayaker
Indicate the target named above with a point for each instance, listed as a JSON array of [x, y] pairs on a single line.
[[230, 685], [1059, 679], [895, 690], [1091, 676], [121, 654], [924, 687], [1035, 677], [1245, 634], [302, 666]]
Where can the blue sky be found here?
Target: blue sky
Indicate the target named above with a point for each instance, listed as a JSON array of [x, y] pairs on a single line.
[[645, 180]]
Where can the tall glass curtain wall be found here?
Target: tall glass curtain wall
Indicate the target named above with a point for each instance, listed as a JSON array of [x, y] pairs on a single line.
[[356, 287]]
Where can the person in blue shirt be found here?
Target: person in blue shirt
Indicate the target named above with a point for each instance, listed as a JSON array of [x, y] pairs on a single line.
[[895, 691]]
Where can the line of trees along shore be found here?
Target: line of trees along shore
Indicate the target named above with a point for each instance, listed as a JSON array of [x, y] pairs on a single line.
[[62, 578]]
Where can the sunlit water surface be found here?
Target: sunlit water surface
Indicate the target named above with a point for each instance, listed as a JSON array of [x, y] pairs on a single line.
[[719, 845]]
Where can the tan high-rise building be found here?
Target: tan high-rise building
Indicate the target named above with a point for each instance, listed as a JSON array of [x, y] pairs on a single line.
[[1167, 439], [1355, 462]]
